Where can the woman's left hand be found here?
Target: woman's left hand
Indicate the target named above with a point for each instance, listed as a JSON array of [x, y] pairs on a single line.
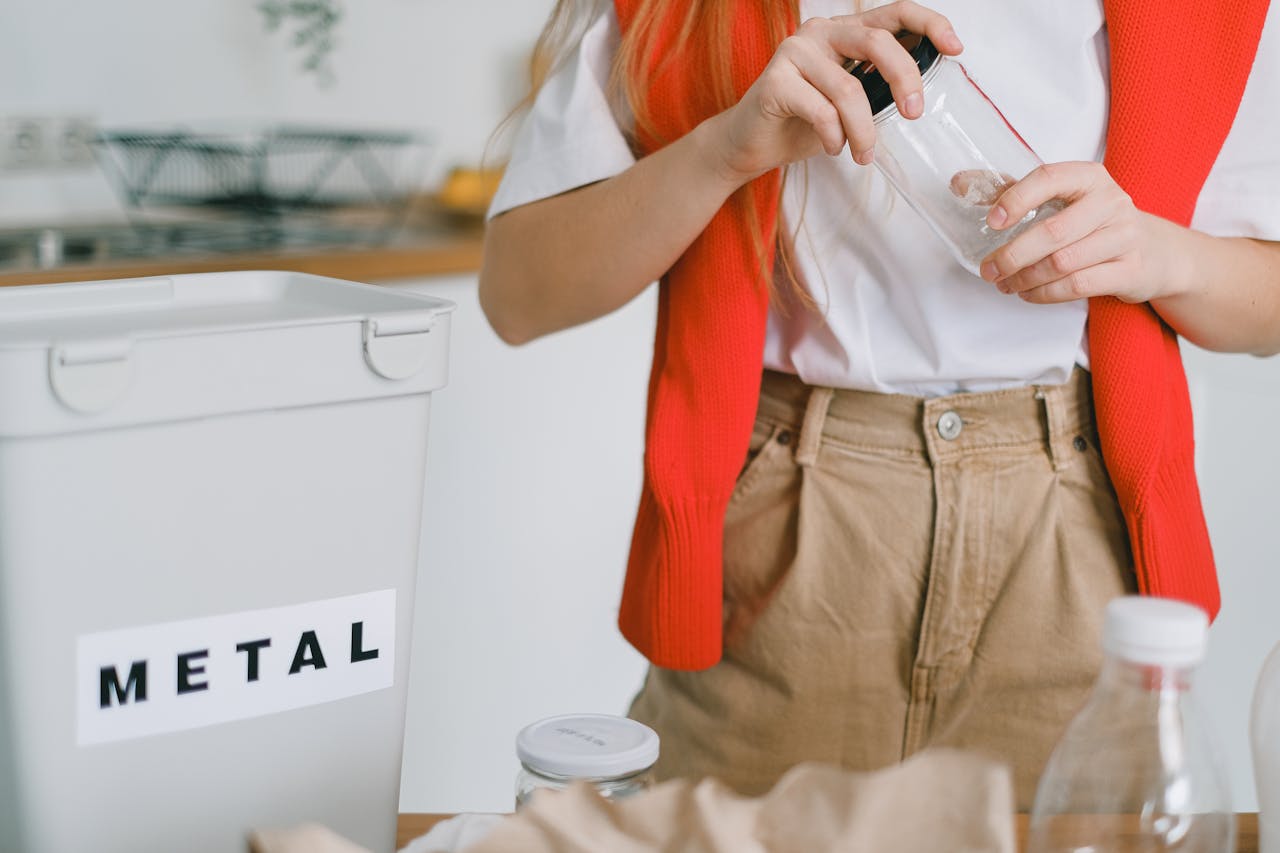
[[1099, 245]]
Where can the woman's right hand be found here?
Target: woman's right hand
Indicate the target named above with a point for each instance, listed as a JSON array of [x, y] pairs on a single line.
[[570, 258], [805, 101]]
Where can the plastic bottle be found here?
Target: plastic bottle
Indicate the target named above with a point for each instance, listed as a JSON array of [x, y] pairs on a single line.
[[1264, 736], [1137, 769]]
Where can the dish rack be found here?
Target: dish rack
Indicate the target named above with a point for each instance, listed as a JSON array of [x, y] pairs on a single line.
[[274, 179]]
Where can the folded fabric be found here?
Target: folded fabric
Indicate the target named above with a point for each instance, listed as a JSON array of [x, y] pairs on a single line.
[[938, 800]]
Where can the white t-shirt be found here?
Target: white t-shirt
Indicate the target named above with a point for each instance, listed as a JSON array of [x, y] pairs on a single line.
[[897, 313]]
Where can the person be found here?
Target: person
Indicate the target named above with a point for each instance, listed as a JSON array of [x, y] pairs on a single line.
[[886, 500]]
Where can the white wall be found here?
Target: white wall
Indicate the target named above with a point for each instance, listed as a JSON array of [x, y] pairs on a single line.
[[535, 452], [1237, 406], [533, 472]]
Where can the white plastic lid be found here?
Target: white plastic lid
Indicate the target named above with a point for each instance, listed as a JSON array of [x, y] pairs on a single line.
[[587, 746], [1155, 631]]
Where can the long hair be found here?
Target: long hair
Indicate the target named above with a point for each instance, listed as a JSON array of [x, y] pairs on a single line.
[[704, 23], [709, 21]]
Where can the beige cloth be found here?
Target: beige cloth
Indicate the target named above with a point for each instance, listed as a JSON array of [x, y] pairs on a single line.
[[942, 800], [902, 573], [938, 800]]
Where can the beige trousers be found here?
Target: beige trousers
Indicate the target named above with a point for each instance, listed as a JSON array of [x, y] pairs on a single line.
[[900, 573]]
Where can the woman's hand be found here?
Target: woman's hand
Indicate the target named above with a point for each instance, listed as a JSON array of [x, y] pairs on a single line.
[[805, 101], [1220, 293], [1099, 245]]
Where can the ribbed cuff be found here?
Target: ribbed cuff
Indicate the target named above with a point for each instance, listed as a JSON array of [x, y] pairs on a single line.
[[1171, 549], [672, 600]]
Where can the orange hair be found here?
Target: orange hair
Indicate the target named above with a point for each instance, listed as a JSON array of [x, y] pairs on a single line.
[[705, 28], [637, 62]]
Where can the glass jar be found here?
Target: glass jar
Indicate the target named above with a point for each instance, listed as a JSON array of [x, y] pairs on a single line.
[[1138, 768], [952, 163], [614, 754]]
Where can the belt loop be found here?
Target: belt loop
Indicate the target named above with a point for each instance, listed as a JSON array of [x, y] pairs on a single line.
[[1055, 414], [815, 414]]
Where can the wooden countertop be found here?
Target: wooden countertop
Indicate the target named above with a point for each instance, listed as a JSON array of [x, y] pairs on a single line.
[[413, 825], [437, 249]]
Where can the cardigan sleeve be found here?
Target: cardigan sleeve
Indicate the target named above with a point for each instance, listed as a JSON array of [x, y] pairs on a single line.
[[571, 136]]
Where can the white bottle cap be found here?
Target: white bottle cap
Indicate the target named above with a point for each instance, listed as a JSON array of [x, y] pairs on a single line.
[[1155, 631], [587, 746]]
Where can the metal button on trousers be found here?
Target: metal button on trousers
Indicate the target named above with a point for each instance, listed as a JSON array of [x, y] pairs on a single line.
[[949, 425]]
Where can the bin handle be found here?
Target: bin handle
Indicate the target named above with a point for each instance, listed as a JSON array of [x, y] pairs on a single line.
[[398, 347], [91, 376]]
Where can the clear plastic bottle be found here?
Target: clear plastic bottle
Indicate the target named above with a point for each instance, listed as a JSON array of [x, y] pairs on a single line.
[[952, 163], [614, 754], [1264, 736], [1137, 769]]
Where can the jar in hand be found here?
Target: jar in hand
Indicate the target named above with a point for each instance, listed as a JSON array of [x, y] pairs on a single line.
[[953, 162]]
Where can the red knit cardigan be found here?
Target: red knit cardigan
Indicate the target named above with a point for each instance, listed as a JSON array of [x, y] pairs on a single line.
[[1178, 70]]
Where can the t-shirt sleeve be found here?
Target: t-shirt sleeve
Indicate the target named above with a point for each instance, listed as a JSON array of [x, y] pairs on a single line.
[[1241, 197], [571, 136]]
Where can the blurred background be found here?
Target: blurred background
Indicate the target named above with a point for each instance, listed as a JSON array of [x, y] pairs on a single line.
[[535, 453], [448, 70]]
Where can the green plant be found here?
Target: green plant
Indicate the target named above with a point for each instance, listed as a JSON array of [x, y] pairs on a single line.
[[314, 23]]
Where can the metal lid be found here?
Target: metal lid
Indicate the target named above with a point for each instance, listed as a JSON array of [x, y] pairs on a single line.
[[587, 746], [873, 83], [1155, 631]]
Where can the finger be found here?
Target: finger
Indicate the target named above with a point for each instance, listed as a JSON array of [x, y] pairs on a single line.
[[844, 92], [1067, 181], [1105, 278], [1042, 239], [1098, 247], [796, 97], [811, 106], [910, 16], [890, 58], [817, 31]]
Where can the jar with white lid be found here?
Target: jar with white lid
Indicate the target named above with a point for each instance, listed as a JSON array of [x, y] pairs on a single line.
[[953, 162], [615, 754]]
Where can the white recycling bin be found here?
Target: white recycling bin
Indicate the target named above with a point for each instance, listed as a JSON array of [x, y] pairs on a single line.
[[210, 505]]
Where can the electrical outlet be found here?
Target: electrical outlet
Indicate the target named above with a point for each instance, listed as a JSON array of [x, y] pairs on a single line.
[[46, 143], [22, 143], [71, 143]]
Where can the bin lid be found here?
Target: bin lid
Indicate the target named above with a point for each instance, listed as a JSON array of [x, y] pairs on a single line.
[[99, 354]]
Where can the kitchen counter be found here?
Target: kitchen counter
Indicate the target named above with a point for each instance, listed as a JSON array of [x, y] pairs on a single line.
[[411, 826], [429, 245]]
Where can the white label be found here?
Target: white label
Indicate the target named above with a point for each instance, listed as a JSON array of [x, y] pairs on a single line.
[[142, 681]]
